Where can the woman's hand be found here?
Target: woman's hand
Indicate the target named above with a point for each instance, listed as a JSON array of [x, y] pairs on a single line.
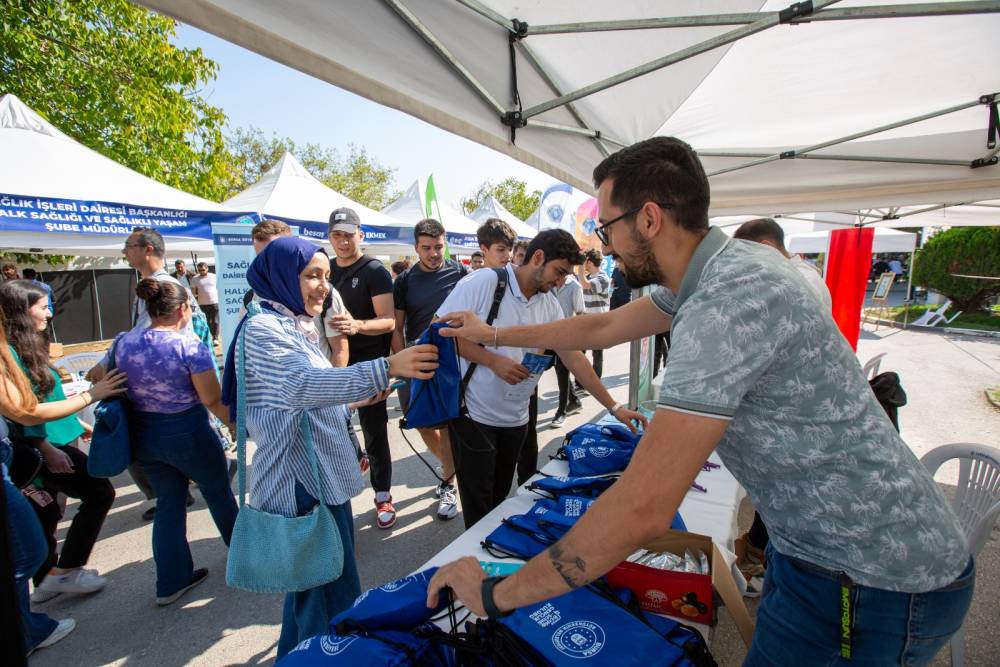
[[465, 325], [419, 361], [111, 384], [56, 460], [371, 400]]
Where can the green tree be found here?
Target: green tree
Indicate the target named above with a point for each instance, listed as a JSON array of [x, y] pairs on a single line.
[[105, 73], [359, 176], [510, 192], [971, 251]]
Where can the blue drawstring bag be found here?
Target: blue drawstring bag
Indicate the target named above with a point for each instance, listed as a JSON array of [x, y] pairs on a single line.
[[436, 401], [594, 626], [616, 432], [591, 456], [566, 511], [383, 648], [560, 485], [111, 442], [398, 605], [517, 539]]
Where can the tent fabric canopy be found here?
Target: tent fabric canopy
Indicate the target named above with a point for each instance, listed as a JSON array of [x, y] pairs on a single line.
[[288, 191], [491, 208], [886, 240], [460, 230], [58, 195], [747, 87]]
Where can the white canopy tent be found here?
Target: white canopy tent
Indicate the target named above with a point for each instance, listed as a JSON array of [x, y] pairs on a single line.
[[59, 197], [461, 231], [491, 208], [288, 192], [792, 108], [886, 240]]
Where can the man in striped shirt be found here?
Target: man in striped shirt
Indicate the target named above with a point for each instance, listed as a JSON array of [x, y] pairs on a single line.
[[596, 297]]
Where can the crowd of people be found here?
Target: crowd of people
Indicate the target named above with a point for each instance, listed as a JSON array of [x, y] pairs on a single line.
[[855, 533]]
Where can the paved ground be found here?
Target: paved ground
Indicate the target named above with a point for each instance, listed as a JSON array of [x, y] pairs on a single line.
[[214, 625]]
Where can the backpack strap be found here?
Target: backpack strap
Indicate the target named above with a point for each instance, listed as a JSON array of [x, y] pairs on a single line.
[[498, 295]]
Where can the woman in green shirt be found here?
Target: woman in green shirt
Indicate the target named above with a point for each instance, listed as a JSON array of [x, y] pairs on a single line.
[[26, 312]]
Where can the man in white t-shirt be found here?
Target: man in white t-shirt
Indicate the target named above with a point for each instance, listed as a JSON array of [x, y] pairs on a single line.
[[488, 435], [205, 291], [767, 232]]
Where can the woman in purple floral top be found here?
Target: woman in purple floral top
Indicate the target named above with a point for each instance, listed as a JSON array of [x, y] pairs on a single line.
[[173, 386]]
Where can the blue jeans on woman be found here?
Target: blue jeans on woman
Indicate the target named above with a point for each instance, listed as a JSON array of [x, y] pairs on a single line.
[[308, 613], [173, 449], [29, 552], [800, 620]]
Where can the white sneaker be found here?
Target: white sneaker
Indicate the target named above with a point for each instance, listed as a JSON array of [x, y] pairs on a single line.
[[76, 581], [448, 503], [66, 626], [39, 595]]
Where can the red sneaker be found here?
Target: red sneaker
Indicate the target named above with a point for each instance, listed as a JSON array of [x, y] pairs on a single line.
[[385, 514]]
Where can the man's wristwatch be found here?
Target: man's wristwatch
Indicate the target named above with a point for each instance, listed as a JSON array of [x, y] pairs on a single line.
[[487, 593]]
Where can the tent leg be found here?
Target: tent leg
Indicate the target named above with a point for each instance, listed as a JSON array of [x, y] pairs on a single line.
[[97, 303], [909, 290]]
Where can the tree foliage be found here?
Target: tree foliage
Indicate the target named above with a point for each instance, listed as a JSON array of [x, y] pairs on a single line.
[[510, 192], [358, 176], [961, 250], [105, 73]]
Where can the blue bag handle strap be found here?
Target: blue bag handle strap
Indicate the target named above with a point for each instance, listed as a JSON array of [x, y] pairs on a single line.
[[241, 421]]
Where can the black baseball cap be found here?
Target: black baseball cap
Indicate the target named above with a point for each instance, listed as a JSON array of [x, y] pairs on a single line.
[[344, 220]]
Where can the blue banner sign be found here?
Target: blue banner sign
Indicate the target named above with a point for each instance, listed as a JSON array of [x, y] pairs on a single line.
[[74, 216]]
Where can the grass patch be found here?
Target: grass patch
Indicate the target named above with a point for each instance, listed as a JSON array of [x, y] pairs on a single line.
[[978, 321]]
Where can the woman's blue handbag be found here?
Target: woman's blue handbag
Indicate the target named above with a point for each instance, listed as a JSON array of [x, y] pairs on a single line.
[[436, 401], [110, 445], [271, 553]]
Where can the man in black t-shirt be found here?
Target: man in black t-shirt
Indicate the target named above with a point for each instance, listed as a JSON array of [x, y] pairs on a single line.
[[417, 294], [366, 288]]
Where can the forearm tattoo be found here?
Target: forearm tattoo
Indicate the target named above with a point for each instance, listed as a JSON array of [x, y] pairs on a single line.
[[572, 569]]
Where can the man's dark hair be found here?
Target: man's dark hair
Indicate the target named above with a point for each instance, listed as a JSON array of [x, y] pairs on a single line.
[[519, 245], [761, 229], [478, 254], [495, 230], [595, 256], [400, 266], [29, 274], [200, 265], [556, 244], [427, 227], [147, 236], [178, 262], [664, 170]]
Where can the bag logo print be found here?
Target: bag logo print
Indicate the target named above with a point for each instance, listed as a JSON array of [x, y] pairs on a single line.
[[332, 644], [394, 586], [579, 639], [601, 452]]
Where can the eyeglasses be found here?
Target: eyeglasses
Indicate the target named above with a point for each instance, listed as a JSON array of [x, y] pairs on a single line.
[[601, 231]]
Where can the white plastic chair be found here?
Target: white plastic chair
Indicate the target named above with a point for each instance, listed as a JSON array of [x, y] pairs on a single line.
[[871, 366], [977, 502], [932, 318], [78, 364]]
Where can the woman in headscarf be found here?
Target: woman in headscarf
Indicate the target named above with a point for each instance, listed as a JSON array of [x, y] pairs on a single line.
[[287, 376]]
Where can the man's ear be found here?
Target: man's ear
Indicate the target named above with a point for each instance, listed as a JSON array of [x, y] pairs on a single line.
[[653, 220], [538, 258]]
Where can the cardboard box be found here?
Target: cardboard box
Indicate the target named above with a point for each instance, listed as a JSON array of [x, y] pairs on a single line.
[[686, 595]]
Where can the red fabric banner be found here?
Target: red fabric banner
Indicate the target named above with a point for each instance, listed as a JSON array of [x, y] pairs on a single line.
[[847, 267]]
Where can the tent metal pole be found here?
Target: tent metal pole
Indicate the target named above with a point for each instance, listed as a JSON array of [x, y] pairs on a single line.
[[97, 302], [909, 286], [411, 19], [836, 14], [486, 12], [842, 158], [850, 137], [529, 55], [586, 131], [660, 63]]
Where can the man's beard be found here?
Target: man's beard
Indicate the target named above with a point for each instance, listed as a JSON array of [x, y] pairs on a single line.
[[641, 269]]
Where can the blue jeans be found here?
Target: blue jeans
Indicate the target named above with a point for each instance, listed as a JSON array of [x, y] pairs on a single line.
[[173, 449], [29, 551], [308, 613], [799, 619]]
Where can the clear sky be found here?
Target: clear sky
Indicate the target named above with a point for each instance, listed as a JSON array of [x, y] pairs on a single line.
[[256, 91]]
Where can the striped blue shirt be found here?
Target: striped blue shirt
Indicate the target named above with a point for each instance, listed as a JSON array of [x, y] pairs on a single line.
[[286, 376]]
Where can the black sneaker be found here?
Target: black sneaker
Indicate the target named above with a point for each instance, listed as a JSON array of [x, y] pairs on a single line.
[[573, 407], [197, 577]]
